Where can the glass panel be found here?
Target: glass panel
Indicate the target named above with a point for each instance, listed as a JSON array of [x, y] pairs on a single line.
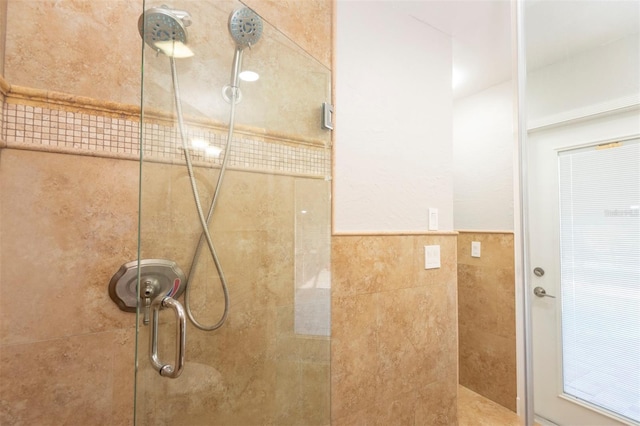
[[3, 32], [269, 361], [313, 238], [600, 276]]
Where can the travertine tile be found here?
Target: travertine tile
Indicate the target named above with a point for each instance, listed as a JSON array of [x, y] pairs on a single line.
[[383, 263], [108, 68], [496, 249], [262, 368], [353, 353], [3, 31], [87, 218], [392, 343], [68, 223], [417, 345], [96, 43], [488, 365], [123, 368], [403, 361], [70, 380], [398, 409], [476, 298], [476, 410], [446, 274], [486, 317], [355, 418], [505, 302], [311, 28], [315, 394], [287, 403], [438, 404]]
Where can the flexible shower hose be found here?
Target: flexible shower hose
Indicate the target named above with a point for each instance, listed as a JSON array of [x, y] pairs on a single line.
[[204, 222]]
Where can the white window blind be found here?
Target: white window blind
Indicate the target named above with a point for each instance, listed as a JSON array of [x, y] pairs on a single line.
[[600, 275]]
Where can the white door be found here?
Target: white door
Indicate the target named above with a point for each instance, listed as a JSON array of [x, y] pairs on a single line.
[[584, 229]]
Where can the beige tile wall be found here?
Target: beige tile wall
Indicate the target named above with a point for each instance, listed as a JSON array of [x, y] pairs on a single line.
[[81, 47], [394, 337], [255, 369], [69, 221], [311, 27], [66, 351], [486, 313], [97, 45]]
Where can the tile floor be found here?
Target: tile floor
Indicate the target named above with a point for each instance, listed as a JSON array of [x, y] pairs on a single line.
[[476, 410]]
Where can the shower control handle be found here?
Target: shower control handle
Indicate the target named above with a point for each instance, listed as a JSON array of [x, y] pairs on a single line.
[[150, 287], [168, 370]]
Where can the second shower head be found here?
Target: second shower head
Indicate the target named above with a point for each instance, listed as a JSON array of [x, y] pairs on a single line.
[[245, 27]]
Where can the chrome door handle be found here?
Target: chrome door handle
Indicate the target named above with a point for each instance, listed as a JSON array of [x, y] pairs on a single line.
[[541, 292], [168, 370]]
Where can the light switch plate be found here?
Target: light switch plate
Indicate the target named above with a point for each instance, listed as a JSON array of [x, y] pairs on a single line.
[[433, 219], [431, 257], [475, 248]]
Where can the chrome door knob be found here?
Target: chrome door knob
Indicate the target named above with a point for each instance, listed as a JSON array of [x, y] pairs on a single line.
[[541, 292]]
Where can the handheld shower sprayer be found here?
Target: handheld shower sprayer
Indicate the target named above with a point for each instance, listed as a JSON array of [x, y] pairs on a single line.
[[245, 27], [164, 30]]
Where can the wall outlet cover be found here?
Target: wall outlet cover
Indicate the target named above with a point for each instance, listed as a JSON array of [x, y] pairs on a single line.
[[431, 257], [475, 248]]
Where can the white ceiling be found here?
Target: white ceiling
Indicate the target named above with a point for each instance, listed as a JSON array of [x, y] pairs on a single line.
[[555, 29]]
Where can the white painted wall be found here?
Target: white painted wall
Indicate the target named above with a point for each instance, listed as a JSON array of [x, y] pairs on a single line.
[[593, 81], [393, 136], [483, 141], [596, 79]]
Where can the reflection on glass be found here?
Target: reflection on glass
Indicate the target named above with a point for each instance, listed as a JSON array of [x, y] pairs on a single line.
[[312, 261]]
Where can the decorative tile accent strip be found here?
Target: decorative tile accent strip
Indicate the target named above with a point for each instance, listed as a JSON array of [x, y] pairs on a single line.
[[26, 124], [59, 130]]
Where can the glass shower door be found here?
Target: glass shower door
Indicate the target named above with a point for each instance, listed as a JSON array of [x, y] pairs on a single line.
[[268, 362]]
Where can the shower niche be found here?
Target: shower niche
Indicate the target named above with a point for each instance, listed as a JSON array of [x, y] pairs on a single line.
[[235, 184]]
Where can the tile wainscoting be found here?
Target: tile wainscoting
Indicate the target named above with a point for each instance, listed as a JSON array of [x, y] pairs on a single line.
[[394, 331], [487, 325]]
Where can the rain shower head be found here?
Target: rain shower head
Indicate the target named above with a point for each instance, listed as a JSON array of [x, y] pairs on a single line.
[[164, 30], [245, 27]]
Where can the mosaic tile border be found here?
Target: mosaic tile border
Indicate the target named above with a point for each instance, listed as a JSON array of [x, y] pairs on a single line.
[[58, 130]]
